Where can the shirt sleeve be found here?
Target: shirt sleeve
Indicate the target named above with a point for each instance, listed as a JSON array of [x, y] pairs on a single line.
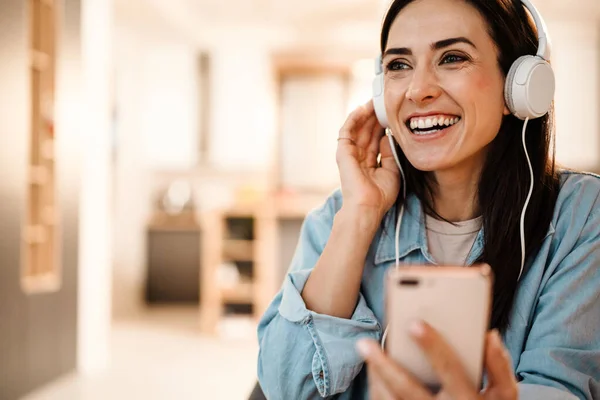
[[562, 351], [303, 354]]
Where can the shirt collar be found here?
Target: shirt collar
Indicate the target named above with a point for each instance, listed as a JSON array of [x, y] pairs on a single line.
[[413, 235]]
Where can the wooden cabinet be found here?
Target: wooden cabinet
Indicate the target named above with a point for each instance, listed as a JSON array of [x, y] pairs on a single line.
[[173, 272], [173, 258]]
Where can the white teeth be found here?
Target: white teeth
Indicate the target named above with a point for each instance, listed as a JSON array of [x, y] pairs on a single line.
[[427, 123]]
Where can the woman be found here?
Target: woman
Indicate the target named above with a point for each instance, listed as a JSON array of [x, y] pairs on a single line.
[[466, 187]]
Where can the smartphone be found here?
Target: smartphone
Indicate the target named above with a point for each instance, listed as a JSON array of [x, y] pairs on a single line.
[[456, 301]]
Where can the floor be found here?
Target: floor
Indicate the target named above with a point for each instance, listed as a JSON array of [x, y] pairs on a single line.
[[161, 356]]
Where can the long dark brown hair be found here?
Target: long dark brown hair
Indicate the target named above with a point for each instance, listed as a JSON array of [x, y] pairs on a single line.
[[505, 179]]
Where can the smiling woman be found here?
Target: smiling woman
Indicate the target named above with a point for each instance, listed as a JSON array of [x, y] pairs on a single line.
[[454, 62], [468, 166]]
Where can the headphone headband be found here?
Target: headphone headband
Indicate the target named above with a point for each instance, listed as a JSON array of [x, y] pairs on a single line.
[[529, 86], [544, 47]]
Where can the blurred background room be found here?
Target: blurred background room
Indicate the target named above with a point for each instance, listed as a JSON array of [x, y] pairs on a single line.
[[157, 158]]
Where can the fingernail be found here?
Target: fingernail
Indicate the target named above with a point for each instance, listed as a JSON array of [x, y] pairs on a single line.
[[417, 328], [364, 348]]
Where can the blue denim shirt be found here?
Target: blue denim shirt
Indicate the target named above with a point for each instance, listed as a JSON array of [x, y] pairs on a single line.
[[554, 332]]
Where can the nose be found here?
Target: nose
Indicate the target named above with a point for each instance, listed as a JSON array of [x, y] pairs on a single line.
[[424, 87]]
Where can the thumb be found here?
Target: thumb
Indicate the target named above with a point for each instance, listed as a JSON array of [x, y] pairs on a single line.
[[368, 349]]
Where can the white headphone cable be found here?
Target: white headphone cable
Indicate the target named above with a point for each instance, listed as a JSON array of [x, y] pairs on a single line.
[[522, 223], [388, 132]]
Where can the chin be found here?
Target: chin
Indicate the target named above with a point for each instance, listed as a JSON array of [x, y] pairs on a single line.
[[429, 164]]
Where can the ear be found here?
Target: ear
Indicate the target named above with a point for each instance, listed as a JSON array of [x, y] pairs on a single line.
[[506, 110]]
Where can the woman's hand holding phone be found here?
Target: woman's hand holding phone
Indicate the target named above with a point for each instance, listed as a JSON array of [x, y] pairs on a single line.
[[387, 380], [366, 184]]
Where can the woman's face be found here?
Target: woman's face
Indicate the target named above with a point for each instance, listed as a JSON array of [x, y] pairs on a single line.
[[443, 85]]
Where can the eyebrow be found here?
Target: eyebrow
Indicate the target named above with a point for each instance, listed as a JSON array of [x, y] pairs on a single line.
[[405, 51]]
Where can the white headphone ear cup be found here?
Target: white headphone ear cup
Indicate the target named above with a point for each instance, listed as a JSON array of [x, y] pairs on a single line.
[[529, 87], [378, 101], [508, 84]]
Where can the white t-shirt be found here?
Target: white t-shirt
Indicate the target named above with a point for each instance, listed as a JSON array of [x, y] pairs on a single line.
[[451, 244]]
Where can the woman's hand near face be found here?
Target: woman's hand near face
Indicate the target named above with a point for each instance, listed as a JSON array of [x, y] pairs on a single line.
[[368, 192], [364, 183], [387, 380]]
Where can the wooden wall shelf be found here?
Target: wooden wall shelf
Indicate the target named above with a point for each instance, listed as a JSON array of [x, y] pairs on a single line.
[[238, 250], [40, 244], [261, 248], [242, 293]]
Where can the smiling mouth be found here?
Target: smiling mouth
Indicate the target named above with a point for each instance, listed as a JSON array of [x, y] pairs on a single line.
[[431, 124]]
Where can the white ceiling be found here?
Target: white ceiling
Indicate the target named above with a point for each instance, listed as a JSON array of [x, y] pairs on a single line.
[[310, 22], [285, 11], [327, 11], [298, 13]]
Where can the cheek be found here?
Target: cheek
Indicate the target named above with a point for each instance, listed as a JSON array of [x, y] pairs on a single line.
[[492, 88], [394, 94], [479, 93], [488, 107], [476, 86], [483, 82]]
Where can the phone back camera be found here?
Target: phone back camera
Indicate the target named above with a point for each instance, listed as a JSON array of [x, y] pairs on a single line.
[[411, 282]]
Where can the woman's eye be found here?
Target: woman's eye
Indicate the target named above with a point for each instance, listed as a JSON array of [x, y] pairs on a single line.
[[452, 59], [397, 66]]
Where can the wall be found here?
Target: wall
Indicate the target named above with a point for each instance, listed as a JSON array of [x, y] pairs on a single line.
[[38, 332], [169, 105], [156, 128], [95, 259], [312, 111], [242, 105], [576, 61]]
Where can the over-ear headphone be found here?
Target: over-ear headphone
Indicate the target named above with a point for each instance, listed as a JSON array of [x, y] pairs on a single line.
[[529, 87]]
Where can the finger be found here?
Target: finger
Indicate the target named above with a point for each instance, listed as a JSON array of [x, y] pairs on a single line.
[[387, 157], [366, 131], [443, 396], [377, 389], [373, 150], [399, 382], [354, 121], [363, 128], [345, 157], [498, 365], [444, 361], [355, 137]]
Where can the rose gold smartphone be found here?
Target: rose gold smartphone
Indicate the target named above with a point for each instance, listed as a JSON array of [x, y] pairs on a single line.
[[456, 301]]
